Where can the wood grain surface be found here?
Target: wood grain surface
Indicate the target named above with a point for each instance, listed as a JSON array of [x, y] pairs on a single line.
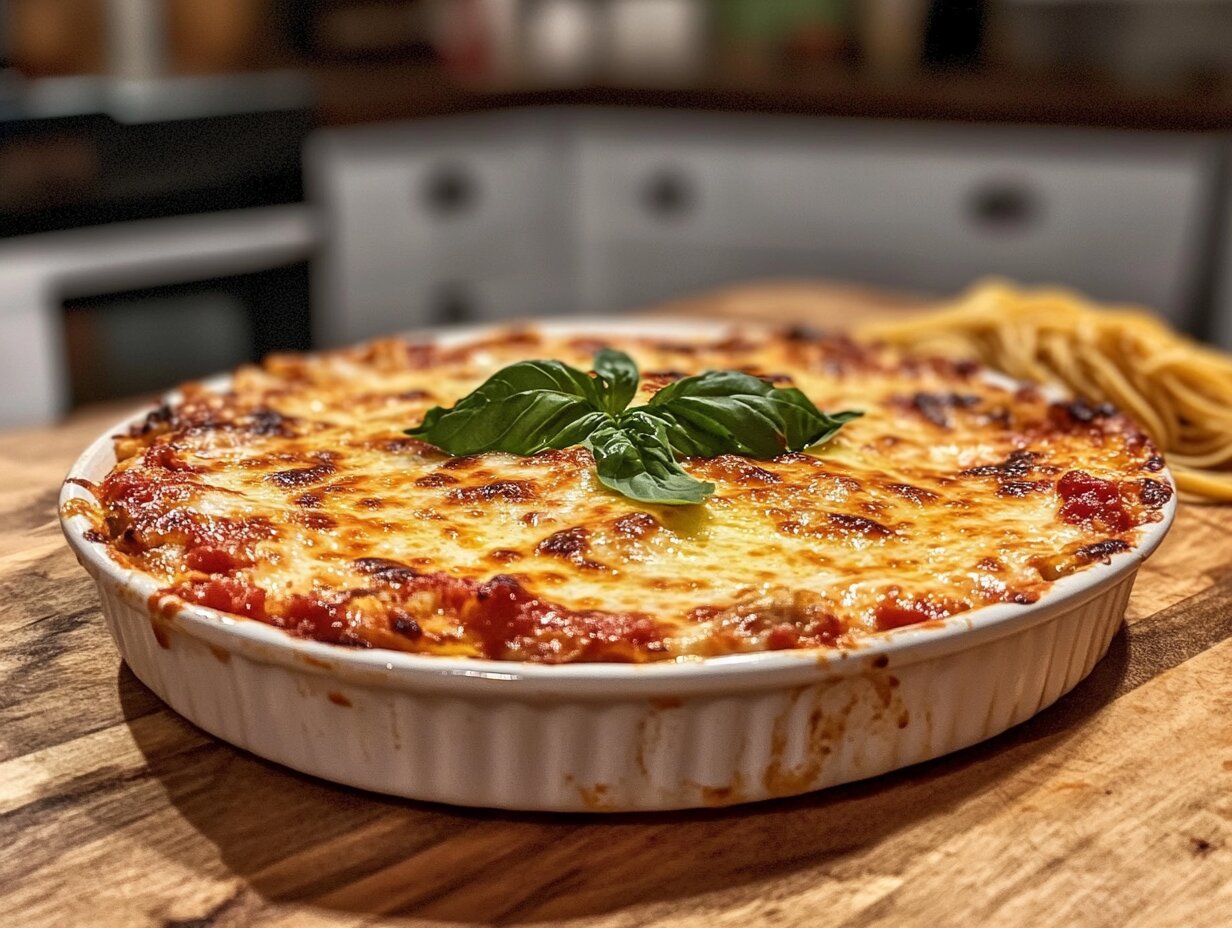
[[1112, 808]]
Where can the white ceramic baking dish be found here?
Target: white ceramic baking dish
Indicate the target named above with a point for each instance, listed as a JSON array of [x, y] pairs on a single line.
[[606, 737]]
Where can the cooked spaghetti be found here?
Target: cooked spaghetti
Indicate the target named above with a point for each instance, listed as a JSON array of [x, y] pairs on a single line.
[[1178, 390]]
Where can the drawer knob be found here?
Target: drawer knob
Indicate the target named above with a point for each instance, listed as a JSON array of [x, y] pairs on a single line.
[[451, 190], [452, 302], [669, 194], [1004, 205]]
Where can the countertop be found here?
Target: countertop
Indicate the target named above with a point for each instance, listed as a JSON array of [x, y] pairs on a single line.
[[1111, 808], [371, 92]]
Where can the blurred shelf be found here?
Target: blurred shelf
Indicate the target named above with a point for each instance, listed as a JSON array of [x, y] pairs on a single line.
[[155, 100], [89, 150], [348, 95]]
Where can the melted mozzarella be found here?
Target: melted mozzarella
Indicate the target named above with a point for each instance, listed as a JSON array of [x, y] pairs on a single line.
[[942, 498]]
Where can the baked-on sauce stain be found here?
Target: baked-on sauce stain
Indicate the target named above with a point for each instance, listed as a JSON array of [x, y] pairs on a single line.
[[161, 607]]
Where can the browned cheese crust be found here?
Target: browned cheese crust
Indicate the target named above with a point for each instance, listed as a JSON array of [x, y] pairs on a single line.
[[296, 499]]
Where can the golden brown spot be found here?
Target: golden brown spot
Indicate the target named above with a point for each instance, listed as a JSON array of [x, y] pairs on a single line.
[[574, 459], [320, 521], [938, 408], [636, 525], [302, 476], [406, 443], [338, 699], [403, 624], [510, 491], [436, 479], [737, 470], [917, 495], [461, 463], [571, 544], [837, 524], [857, 524], [384, 570], [1102, 550], [1016, 489]]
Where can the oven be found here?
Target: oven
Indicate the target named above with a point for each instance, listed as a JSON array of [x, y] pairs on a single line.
[[130, 308], [150, 232]]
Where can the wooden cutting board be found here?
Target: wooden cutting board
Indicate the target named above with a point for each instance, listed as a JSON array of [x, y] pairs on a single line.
[[1112, 808]]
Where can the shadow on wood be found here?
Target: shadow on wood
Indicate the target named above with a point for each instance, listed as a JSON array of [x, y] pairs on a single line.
[[296, 839]]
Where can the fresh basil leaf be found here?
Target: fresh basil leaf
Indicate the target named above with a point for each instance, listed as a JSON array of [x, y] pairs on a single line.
[[729, 412], [536, 375], [532, 406], [635, 459], [525, 423], [804, 425], [713, 383], [521, 409], [618, 373]]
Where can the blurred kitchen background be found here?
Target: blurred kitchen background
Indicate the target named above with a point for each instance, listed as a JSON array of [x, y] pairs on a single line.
[[188, 184]]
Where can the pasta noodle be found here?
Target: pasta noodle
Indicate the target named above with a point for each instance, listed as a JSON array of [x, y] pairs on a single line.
[[1180, 391]]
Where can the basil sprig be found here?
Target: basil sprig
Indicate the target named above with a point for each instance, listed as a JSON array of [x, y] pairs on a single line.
[[533, 406]]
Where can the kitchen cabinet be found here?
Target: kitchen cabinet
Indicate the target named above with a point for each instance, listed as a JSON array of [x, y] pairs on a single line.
[[931, 208], [454, 220], [598, 210]]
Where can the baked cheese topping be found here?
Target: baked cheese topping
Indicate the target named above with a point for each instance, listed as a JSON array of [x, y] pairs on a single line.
[[296, 499]]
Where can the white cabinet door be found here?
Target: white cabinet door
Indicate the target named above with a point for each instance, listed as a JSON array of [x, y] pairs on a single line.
[[1118, 217], [722, 198], [421, 219], [531, 212]]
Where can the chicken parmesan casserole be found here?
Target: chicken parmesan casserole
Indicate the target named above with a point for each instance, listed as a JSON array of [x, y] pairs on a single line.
[[293, 496]]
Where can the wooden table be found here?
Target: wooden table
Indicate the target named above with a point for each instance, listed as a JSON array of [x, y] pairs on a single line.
[[1112, 808]]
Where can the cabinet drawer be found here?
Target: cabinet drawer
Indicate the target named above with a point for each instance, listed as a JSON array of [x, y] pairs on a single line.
[[453, 179], [1118, 224], [420, 218], [933, 208], [665, 185]]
